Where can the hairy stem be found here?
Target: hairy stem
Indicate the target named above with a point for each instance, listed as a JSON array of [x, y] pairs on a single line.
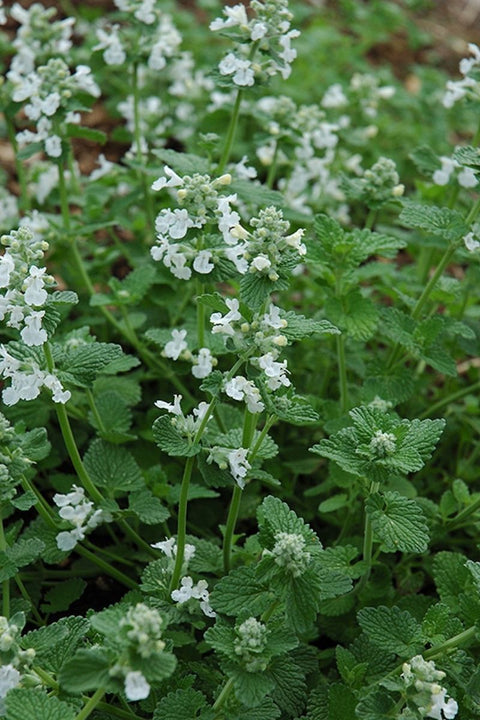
[[91, 704], [5, 583], [20, 170], [232, 128]]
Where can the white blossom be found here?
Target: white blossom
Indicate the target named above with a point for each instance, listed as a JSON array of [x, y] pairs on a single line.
[[174, 409], [188, 590], [222, 323], [174, 348], [202, 263], [136, 686], [203, 364], [239, 465], [33, 333]]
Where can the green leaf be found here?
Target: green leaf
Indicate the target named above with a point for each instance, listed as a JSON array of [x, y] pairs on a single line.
[[442, 222], [147, 507], [275, 516], [293, 409], [22, 553], [301, 603], [426, 160], [467, 155], [255, 193], [290, 689], [354, 314], [341, 702], [114, 415], [182, 704], [87, 670], [391, 629], [62, 595], [299, 326], [168, 439], [439, 624], [112, 467], [398, 522], [31, 704], [251, 688], [377, 705], [451, 575], [85, 362], [35, 444], [266, 710], [208, 557], [240, 592], [86, 133], [183, 163]]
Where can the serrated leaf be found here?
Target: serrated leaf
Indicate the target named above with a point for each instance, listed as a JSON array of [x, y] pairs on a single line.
[[299, 326], [341, 702], [86, 670], [266, 710], [55, 649], [114, 415], [451, 574], [398, 522], [251, 688], [168, 439], [85, 362], [426, 160], [208, 557], [442, 222], [257, 194], [147, 507], [301, 604], [293, 409], [377, 705], [275, 516], [60, 597], [290, 688], [21, 553], [112, 467], [391, 629], [467, 155], [182, 163], [35, 444], [31, 704], [182, 704], [239, 592], [354, 314]]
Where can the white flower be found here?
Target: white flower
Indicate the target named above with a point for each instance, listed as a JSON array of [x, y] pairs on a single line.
[[202, 263], [275, 371], [9, 678], [221, 323], [236, 16], [239, 465], [105, 167], [261, 263], [114, 53], [34, 284], [173, 223], [188, 590], [204, 364], [467, 178], [7, 264], [169, 547], [136, 686], [174, 180], [176, 345], [53, 146], [239, 388], [440, 709], [174, 409], [33, 333], [241, 70]]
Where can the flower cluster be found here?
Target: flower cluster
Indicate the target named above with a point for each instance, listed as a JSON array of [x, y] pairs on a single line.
[[377, 185], [27, 379], [38, 38], [234, 459], [289, 552], [147, 33], [189, 591], [79, 512], [422, 680], [49, 92], [186, 425], [383, 443], [177, 347], [263, 44], [263, 334], [140, 630], [13, 660], [250, 643], [169, 547], [24, 283], [468, 86], [465, 177]]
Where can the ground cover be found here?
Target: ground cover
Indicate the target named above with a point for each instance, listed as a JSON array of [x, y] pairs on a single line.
[[240, 348]]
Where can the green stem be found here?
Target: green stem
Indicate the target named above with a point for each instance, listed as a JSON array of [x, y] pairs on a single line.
[[463, 514], [230, 133], [112, 710], [107, 568], [20, 170], [367, 545], [26, 596], [227, 689], [230, 526], [200, 318], [272, 171], [270, 610], [342, 373], [47, 679], [138, 140], [78, 465], [90, 706], [452, 643], [371, 217], [261, 437], [5, 583], [449, 399], [94, 409], [187, 474]]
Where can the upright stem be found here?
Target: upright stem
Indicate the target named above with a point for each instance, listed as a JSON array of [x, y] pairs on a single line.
[[367, 545], [227, 689], [342, 372], [107, 568], [5, 583], [249, 424], [138, 141], [24, 197], [371, 217], [200, 318], [90, 706], [272, 171], [230, 133]]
